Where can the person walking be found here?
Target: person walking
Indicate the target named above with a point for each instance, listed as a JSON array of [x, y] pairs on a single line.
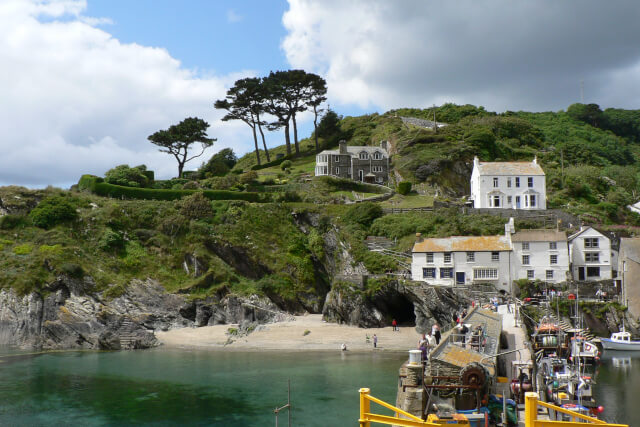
[[375, 341], [394, 323], [431, 342]]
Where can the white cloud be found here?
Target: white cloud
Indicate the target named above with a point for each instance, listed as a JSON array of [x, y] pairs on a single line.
[[233, 16], [502, 54], [76, 100]]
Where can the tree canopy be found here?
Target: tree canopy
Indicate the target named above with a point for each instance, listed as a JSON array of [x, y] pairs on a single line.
[[178, 139]]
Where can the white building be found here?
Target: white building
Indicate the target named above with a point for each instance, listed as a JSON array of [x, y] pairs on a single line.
[[540, 255], [508, 185], [462, 260], [590, 255]]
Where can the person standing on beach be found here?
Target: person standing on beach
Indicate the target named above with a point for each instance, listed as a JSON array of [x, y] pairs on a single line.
[[394, 323], [375, 341]]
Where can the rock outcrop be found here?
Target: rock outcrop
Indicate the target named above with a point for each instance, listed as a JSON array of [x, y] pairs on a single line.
[[69, 315]]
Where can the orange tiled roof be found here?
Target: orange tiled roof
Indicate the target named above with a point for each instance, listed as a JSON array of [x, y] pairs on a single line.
[[463, 243]]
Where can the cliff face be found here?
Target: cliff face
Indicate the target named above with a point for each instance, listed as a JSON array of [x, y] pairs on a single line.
[[67, 317]]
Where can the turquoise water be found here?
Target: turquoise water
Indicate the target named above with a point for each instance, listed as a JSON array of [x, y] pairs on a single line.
[[176, 387]]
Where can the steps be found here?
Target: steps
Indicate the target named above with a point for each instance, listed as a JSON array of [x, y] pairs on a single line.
[[127, 334]]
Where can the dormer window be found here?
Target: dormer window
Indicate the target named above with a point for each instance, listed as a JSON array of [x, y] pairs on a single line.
[[364, 155], [377, 155]]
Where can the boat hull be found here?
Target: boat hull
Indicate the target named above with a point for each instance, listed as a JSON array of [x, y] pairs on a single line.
[[609, 344]]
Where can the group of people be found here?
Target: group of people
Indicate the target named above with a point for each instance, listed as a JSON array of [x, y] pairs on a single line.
[[429, 341]]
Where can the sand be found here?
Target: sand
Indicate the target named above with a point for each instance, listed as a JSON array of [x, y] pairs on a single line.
[[290, 335]]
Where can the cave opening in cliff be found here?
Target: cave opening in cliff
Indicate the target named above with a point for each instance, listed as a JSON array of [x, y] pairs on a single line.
[[401, 308]]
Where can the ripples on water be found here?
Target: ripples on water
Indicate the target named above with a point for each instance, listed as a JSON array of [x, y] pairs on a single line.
[[618, 387], [173, 387]]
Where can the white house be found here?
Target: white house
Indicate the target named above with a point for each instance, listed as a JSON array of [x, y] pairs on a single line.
[[540, 255], [462, 259], [590, 255], [508, 185]]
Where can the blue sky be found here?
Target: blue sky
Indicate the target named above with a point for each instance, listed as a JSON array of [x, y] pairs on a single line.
[[84, 82]]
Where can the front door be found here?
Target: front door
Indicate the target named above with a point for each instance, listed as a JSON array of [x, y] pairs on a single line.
[[517, 202], [580, 273], [459, 277], [360, 175]]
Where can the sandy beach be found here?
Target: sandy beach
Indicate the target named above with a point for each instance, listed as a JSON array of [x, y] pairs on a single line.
[[290, 335]]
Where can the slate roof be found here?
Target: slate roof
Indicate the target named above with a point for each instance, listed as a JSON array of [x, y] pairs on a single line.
[[631, 248], [510, 168], [573, 236], [355, 150], [463, 243], [539, 236]]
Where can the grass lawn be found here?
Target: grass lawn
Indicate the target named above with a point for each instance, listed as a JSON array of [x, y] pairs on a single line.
[[300, 166], [412, 200]]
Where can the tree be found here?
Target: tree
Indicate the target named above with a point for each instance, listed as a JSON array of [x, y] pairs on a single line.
[[220, 163], [276, 103], [178, 139], [588, 113], [245, 102], [315, 97]]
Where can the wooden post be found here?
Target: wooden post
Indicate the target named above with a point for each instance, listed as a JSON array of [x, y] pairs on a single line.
[[364, 407]]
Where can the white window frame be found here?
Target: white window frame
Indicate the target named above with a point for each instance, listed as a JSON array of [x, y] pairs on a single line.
[[530, 182], [553, 259], [447, 257], [553, 246], [592, 257], [448, 271], [508, 182], [337, 171], [336, 159], [429, 257], [377, 155], [517, 182], [425, 275], [526, 260], [549, 275], [485, 273], [496, 183], [591, 242], [363, 155], [471, 257], [495, 256], [525, 246], [531, 274], [592, 268]]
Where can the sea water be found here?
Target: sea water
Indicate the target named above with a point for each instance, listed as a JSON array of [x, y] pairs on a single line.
[[180, 387]]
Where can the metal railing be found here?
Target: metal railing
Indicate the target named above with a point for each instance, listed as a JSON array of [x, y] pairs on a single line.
[[530, 414]]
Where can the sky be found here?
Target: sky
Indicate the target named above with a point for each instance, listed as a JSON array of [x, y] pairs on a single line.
[[84, 82]]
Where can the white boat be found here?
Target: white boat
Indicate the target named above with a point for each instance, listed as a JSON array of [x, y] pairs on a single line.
[[620, 341]]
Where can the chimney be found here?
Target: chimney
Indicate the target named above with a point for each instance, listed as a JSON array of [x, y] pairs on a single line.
[[509, 227], [343, 146], [384, 145], [418, 237], [476, 162], [535, 160]]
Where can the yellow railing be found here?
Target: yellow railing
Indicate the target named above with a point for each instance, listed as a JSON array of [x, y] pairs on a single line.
[[366, 417], [530, 414], [531, 404]]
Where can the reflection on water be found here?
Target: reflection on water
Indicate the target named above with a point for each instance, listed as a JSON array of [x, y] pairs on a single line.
[[618, 387], [172, 387]]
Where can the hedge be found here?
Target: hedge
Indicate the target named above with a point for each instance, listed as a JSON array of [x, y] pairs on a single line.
[[98, 186]]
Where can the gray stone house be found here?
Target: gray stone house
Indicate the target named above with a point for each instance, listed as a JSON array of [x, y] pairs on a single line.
[[359, 163]]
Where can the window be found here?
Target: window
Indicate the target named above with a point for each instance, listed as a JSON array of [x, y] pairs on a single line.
[[525, 259], [337, 171], [530, 274], [591, 242], [549, 275], [471, 257], [592, 256], [446, 273], [336, 159], [496, 201], [377, 155], [525, 246], [430, 257], [509, 200], [517, 182], [530, 182], [428, 273], [532, 200], [553, 259], [593, 271], [495, 256], [508, 182], [485, 273], [495, 182], [376, 168], [447, 257], [553, 245], [364, 155]]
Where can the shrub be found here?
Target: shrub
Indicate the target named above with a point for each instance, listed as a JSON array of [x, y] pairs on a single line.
[[72, 270], [24, 249], [126, 176], [286, 164], [9, 222], [249, 177], [191, 185], [363, 213], [111, 241], [53, 210], [195, 206], [404, 188]]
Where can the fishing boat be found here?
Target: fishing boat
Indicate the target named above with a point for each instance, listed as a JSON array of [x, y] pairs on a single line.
[[620, 341], [550, 338]]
